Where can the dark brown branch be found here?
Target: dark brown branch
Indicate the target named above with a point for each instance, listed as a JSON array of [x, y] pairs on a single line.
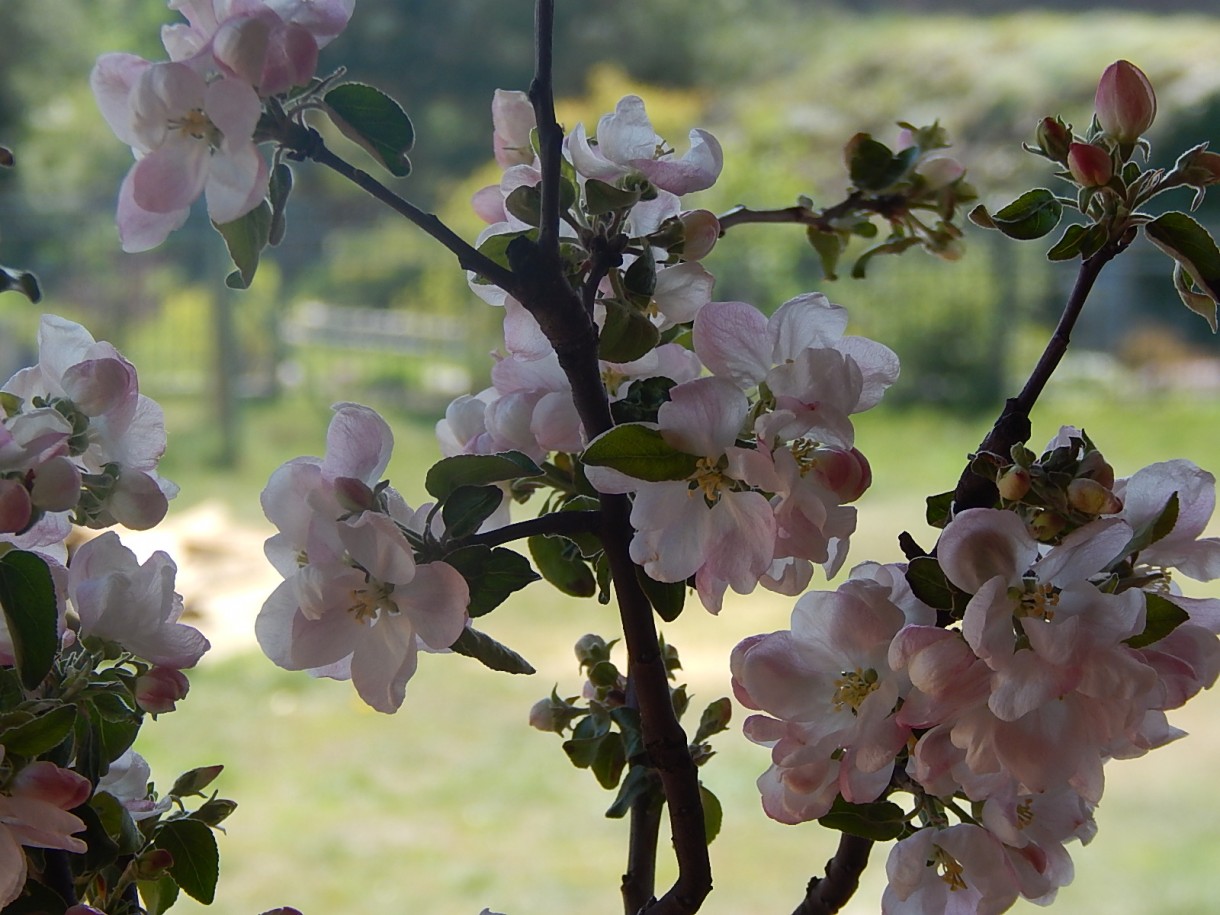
[[826, 895], [1013, 425], [550, 134], [639, 882], [563, 523], [308, 144]]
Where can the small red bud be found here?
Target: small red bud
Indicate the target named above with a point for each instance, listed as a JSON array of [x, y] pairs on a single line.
[[1054, 137], [1013, 484], [1125, 102], [1091, 166]]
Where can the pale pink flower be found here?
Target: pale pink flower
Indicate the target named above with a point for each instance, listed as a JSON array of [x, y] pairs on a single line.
[[127, 781], [34, 812], [120, 600], [512, 118], [191, 136], [626, 144], [961, 870], [1145, 494]]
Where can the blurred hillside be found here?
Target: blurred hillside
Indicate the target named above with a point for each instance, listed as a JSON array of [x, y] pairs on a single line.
[[783, 83]]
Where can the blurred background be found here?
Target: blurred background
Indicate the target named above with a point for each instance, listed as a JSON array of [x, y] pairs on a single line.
[[454, 804]]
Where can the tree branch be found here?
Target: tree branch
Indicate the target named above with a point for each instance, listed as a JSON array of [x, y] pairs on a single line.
[[886, 205], [826, 895], [307, 143], [1013, 425], [563, 523], [550, 134], [640, 880]]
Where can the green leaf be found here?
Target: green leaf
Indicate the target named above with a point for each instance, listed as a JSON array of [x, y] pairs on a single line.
[[641, 452], [21, 281], [27, 595], [609, 761], [715, 718], [939, 506], [1196, 254], [895, 244], [641, 277], [1154, 530], [158, 895], [626, 334], [526, 204], [495, 248], [879, 821], [601, 197], [245, 237], [490, 653], [559, 561], [667, 598], [1032, 215], [713, 814], [375, 121], [41, 733], [477, 470], [928, 582], [642, 401], [1163, 617], [277, 196], [122, 836], [492, 574], [640, 781], [874, 167], [467, 507], [829, 247], [196, 864]]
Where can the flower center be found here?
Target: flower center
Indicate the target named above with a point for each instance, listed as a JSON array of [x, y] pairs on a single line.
[[1037, 601], [369, 602], [612, 379], [853, 687], [195, 123], [804, 451], [709, 479], [1025, 813], [948, 869]]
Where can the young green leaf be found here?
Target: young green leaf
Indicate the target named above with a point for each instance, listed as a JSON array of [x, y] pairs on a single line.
[[667, 598], [626, 333], [641, 452], [467, 507], [477, 470], [491, 574], [1195, 253], [1032, 215], [27, 596], [245, 237], [370, 118], [713, 814], [490, 653], [559, 560], [1163, 617], [196, 859], [879, 821]]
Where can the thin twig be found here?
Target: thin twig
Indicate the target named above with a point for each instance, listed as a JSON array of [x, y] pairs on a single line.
[[563, 523], [311, 146], [885, 205]]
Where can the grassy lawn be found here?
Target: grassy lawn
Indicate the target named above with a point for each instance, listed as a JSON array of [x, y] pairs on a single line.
[[454, 804]]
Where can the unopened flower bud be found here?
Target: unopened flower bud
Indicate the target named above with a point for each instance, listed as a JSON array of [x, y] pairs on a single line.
[[543, 717], [1199, 167], [590, 649], [56, 485], [845, 473], [354, 495], [215, 811], [153, 864], [1091, 166], [1047, 525], [1092, 498], [15, 507], [1125, 102], [940, 171], [1054, 138], [1094, 466], [159, 690], [700, 231], [1013, 483]]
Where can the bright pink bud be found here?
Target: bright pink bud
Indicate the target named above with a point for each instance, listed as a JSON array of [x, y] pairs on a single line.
[[159, 690], [845, 473], [1125, 102], [1090, 165], [15, 507]]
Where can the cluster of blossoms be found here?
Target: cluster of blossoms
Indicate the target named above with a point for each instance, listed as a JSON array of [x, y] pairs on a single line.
[[99, 643], [355, 603], [192, 120], [753, 412], [997, 708]]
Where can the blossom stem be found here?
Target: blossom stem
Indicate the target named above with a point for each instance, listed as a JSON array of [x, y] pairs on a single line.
[[564, 523], [311, 146], [827, 895], [887, 205]]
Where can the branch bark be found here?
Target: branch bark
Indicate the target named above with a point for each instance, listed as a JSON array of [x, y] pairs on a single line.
[[826, 895]]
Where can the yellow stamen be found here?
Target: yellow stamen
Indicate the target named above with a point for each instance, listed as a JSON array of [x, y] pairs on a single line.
[[853, 687]]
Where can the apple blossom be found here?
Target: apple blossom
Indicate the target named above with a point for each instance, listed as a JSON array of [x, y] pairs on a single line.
[[961, 870], [1091, 166], [127, 782], [160, 689], [626, 144], [190, 137], [34, 809]]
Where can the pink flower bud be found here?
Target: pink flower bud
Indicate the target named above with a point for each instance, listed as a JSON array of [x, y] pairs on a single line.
[[543, 717], [352, 494], [1125, 102], [1091, 166], [159, 690], [845, 473], [1053, 138], [1092, 498], [940, 171], [15, 507], [700, 231]]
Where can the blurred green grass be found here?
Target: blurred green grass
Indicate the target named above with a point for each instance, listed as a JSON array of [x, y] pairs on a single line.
[[455, 804]]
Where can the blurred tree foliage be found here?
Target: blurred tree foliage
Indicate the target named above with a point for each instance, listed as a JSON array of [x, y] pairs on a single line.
[[783, 84]]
